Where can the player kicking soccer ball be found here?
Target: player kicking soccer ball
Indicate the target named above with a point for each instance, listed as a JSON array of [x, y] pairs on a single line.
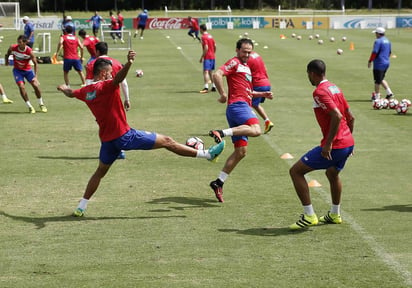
[[103, 99]]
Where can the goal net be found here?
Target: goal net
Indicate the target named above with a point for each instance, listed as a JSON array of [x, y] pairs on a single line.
[[120, 40], [10, 15]]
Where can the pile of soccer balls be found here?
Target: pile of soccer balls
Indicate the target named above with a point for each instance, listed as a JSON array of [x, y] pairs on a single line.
[[401, 107]]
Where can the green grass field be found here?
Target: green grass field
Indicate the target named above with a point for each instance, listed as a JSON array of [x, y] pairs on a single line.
[[154, 222]]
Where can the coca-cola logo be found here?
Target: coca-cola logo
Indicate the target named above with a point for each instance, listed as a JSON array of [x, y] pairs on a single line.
[[166, 23]]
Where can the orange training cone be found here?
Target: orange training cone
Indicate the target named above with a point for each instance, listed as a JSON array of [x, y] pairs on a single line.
[[352, 46], [314, 183]]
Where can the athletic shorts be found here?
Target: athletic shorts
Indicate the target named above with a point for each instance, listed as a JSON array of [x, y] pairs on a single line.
[[69, 63], [208, 64], [379, 75], [141, 26], [196, 32], [315, 160], [257, 100], [131, 140], [19, 75], [240, 113]]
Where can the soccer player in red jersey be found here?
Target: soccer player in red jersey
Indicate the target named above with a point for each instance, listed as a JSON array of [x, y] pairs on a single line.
[[70, 44], [89, 42], [22, 55], [240, 117], [336, 123], [103, 99], [260, 81], [208, 58], [115, 27], [194, 28]]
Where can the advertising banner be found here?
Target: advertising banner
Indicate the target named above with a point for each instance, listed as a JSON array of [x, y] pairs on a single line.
[[300, 22]]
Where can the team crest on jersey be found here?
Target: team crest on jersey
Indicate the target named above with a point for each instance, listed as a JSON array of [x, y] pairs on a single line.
[[333, 89], [91, 95]]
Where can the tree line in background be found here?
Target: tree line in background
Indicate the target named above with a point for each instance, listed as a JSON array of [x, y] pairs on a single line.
[[102, 5]]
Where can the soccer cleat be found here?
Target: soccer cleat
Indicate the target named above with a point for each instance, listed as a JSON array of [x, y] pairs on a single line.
[[216, 150], [304, 221], [121, 155], [43, 108], [7, 101], [78, 212], [135, 34], [213, 89], [216, 135], [389, 96], [121, 40], [331, 218], [204, 91], [217, 187], [32, 110], [268, 126]]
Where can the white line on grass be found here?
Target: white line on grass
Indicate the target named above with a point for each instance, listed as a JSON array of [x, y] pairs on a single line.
[[372, 243]]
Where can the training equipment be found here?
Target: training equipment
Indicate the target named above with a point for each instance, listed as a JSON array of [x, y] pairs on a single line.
[[217, 187], [402, 108], [317, 36], [124, 42], [339, 51], [310, 37], [377, 104], [195, 142], [293, 35], [139, 73], [299, 37], [407, 102], [305, 221], [320, 41], [331, 218], [393, 103], [10, 15], [385, 103], [332, 39], [344, 38]]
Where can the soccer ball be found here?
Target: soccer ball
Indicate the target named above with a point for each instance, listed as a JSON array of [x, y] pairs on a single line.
[[393, 103], [299, 37], [293, 35], [343, 38], [310, 37], [195, 142], [402, 108], [320, 41], [332, 39], [377, 104], [339, 51], [385, 103], [139, 73], [407, 102]]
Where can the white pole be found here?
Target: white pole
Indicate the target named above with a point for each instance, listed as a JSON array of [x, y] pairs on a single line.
[[38, 9]]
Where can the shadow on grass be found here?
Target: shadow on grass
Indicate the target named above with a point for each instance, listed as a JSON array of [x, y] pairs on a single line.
[[278, 231], [188, 202], [67, 158], [41, 222], [398, 208]]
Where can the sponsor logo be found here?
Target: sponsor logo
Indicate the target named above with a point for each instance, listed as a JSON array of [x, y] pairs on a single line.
[[166, 23]]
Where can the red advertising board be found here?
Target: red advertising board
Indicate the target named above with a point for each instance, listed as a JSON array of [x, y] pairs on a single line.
[[164, 23]]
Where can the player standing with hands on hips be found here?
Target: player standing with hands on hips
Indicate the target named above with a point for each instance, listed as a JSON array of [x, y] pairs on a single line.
[[104, 101], [242, 121], [336, 123]]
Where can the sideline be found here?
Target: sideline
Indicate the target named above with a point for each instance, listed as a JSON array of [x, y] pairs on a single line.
[[378, 249]]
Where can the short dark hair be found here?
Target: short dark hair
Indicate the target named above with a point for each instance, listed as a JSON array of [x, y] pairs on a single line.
[[203, 27], [23, 38], [317, 66], [102, 48], [82, 32], [100, 64], [242, 41], [68, 29]]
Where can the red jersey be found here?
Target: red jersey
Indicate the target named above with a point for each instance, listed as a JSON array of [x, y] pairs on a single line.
[[90, 42], [327, 96], [207, 40], [116, 67], [259, 74], [239, 81], [120, 20], [70, 45], [21, 58], [103, 100], [114, 23], [193, 24]]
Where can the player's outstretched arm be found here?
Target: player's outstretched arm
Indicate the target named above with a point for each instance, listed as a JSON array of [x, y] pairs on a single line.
[[121, 75], [66, 90]]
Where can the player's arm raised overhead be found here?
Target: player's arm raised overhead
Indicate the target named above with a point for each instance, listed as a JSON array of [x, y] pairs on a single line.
[[121, 75]]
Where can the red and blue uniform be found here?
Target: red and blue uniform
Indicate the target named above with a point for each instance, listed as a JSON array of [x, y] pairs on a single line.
[[209, 58], [260, 79], [21, 67], [70, 55]]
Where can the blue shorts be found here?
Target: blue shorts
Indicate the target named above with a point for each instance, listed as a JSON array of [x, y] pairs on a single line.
[[314, 159], [20, 75], [257, 100], [240, 113], [196, 32], [131, 140], [69, 63], [208, 64]]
